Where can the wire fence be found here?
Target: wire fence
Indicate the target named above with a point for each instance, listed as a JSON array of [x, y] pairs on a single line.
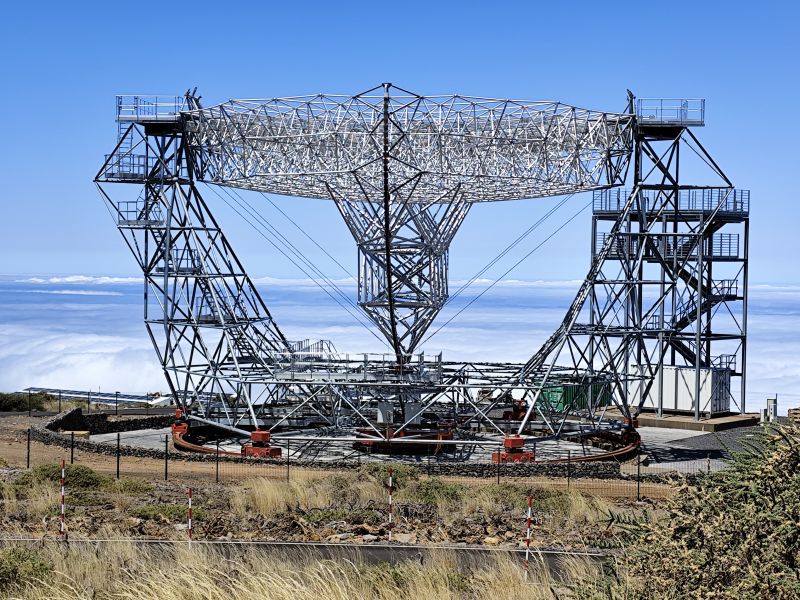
[[151, 455]]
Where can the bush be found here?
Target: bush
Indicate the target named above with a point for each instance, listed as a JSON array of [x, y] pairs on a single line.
[[79, 477], [434, 492], [18, 402], [22, 565], [131, 486], [401, 474], [732, 534]]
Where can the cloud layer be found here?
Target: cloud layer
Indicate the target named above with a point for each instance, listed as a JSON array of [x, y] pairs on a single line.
[[85, 332]]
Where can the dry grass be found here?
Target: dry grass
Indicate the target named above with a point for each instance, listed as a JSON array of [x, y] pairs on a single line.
[[125, 571], [268, 497], [577, 506], [9, 499], [40, 499]]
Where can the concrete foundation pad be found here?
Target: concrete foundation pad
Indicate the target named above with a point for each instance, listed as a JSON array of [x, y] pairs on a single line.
[[687, 422]]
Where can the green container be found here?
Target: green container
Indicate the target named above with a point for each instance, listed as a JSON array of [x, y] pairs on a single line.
[[575, 395]]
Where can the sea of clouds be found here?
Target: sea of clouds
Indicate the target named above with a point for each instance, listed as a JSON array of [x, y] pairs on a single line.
[[84, 332]]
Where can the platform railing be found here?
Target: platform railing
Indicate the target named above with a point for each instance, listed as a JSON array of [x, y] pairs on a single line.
[[706, 201], [671, 111], [137, 109], [670, 245]]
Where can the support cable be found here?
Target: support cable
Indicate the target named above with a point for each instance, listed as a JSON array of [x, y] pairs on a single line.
[[303, 231], [255, 214], [509, 270], [508, 248], [266, 233]]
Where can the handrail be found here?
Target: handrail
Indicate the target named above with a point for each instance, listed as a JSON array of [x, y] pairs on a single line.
[[671, 111]]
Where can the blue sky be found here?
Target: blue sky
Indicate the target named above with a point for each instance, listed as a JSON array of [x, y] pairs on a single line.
[[62, 64]]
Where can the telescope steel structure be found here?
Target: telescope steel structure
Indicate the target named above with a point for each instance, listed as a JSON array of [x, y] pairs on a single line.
[[403, 170]]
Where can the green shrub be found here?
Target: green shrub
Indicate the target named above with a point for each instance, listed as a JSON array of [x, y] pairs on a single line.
[[325, 515], [732, 534], [131, 486], [21, 565], [434, 492], [401, 474], [505, 494], [18, 401], [78, 477]]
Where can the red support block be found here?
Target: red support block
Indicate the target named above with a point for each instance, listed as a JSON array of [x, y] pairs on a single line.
[[513, 451], [260, 437], [513, 457], [261, 452], [513, 442], [259, 446]]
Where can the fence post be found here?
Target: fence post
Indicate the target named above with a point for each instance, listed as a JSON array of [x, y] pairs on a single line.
[[528, 535], [59, 401], [28, 454], [71, 447], [166, 456], [499, 455], [190, 518], [569, 467], [62, 524], [88, 402], [118, 435], [29, 403], [391, 505], [288, 448], [639, 475], [216, 465]]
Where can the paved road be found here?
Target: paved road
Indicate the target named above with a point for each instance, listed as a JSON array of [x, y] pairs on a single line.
[[142, 438]]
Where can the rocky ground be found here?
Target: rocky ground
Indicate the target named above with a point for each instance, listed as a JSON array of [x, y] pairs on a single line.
[[424, 512]]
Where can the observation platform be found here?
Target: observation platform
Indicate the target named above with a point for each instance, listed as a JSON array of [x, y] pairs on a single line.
[[150, 109], [663, 116], [730, 205]]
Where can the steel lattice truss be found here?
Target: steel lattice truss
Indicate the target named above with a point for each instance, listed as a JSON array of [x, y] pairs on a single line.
[[488, 149], [403, 170]]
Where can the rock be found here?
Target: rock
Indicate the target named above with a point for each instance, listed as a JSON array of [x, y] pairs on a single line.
[[509, 535], [404, 538], [491, 541], [339, 537], [364, 529], [369, 538], [181, 527]]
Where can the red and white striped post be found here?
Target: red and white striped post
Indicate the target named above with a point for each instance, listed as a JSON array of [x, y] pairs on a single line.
[[62, 517], [391, 505], [190, 517], [528, 534]]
